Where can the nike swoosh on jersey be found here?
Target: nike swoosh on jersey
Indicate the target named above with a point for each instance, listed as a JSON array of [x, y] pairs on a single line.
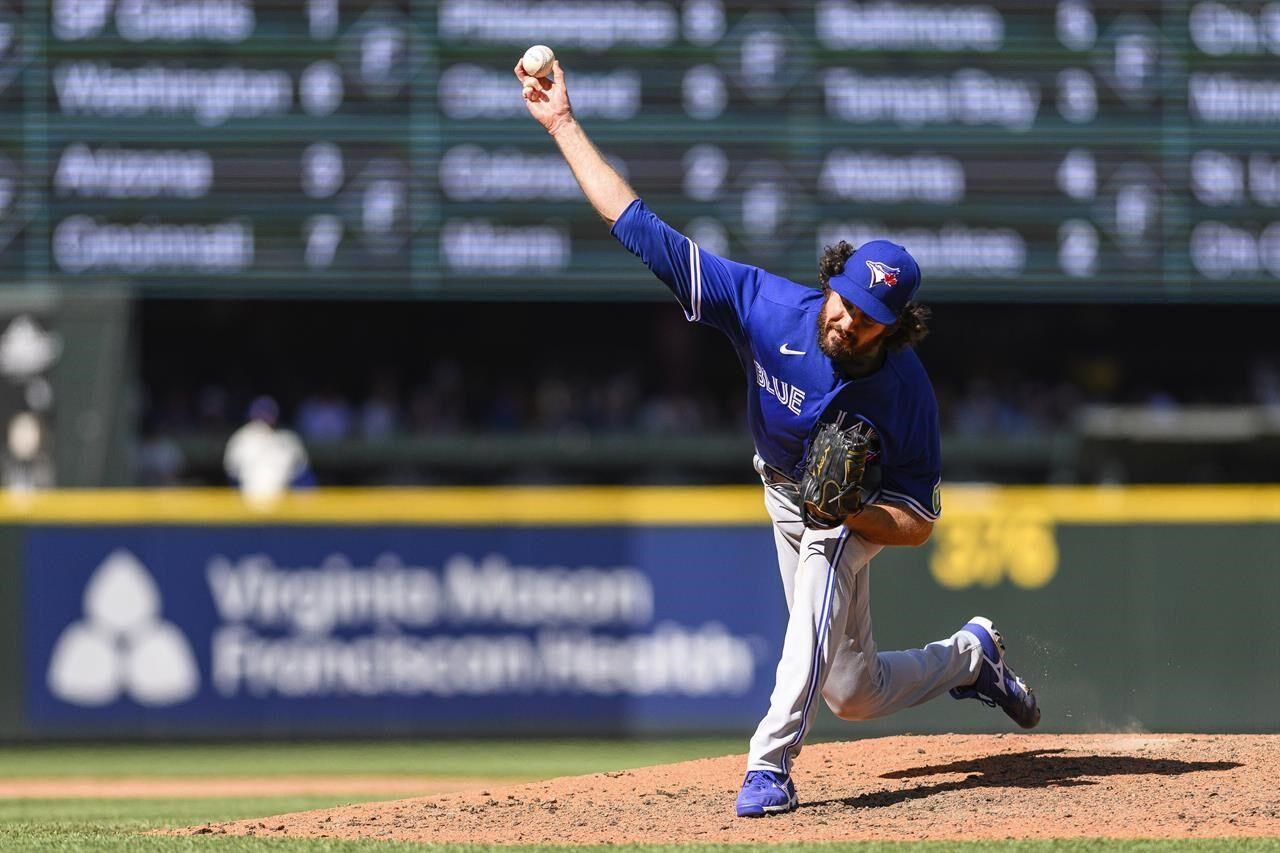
[[785, 350]]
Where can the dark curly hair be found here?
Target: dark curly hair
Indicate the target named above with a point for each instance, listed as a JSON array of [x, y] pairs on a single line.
[[913, 320]]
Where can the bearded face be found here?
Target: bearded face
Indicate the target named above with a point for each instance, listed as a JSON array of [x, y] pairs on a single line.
[[845, 333]]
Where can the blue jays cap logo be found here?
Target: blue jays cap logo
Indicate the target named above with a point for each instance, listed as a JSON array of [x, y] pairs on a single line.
[[882, 273]]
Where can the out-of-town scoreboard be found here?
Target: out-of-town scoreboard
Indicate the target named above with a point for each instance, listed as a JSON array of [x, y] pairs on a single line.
[[1029, 149]]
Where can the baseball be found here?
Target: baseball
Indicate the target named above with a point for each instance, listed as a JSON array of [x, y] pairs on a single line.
[[537, 60]]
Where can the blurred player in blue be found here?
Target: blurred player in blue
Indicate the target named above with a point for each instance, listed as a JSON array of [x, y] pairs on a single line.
[[810, 356]]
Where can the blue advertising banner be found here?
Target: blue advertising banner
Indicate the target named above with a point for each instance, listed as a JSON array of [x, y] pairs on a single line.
[[251, 629]]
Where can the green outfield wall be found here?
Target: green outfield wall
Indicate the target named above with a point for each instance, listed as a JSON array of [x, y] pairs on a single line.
[[1126, 608]]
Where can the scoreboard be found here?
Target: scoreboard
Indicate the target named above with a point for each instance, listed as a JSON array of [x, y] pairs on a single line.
[[1029, 149]]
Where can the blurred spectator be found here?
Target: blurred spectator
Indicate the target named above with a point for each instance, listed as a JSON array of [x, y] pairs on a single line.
[[616, 402], [380, 414], [212, 406], [324, 417], [977, 411], [159, 461], [673, 414], [438, 405], [505, 412], [263, 460], [553, 404], [27, 463], [1266, 382]]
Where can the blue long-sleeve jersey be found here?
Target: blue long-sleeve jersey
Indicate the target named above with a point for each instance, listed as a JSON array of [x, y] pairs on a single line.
[[773, 325]]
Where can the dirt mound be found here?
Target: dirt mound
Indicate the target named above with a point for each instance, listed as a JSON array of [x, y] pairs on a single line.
[[946, 787]]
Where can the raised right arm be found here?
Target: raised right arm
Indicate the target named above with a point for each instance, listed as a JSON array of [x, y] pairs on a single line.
[[548, 101], [710, 289]]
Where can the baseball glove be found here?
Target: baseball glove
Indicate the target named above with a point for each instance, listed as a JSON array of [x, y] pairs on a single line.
[[831, 489]]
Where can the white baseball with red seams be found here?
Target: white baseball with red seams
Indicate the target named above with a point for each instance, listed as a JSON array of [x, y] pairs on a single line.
[[537, 60]]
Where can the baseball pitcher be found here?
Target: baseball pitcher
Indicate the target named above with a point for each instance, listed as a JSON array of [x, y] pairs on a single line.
[[845, 425]]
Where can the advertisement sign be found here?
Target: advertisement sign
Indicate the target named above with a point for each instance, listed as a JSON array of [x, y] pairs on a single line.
[[259, 629]]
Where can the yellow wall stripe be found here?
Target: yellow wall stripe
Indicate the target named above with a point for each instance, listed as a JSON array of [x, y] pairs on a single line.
[[683, 506], [452, 506], [1119, 504]]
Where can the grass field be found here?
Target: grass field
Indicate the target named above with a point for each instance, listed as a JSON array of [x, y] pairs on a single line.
[[514, 759], [115, 824]]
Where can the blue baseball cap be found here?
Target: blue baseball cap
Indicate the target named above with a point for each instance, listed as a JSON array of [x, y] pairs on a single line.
[[880, 278]]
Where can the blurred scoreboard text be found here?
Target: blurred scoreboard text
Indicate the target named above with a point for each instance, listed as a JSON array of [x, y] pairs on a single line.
[[1054, 149]]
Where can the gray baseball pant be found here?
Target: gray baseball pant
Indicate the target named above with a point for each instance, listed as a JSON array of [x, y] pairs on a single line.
[[829, 647]]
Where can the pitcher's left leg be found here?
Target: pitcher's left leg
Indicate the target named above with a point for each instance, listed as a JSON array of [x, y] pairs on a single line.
[[819, 612]]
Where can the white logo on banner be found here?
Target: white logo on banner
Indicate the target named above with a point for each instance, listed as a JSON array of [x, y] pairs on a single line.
[[122, 645]]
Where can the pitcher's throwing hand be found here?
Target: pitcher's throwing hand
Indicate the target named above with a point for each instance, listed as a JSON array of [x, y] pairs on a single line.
[[546, 97]]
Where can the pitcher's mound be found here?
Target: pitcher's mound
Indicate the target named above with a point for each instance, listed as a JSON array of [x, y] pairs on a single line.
[[944, 787]]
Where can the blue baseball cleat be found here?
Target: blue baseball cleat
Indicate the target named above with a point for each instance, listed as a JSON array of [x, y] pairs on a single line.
[[765, 792], [997, 685]]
